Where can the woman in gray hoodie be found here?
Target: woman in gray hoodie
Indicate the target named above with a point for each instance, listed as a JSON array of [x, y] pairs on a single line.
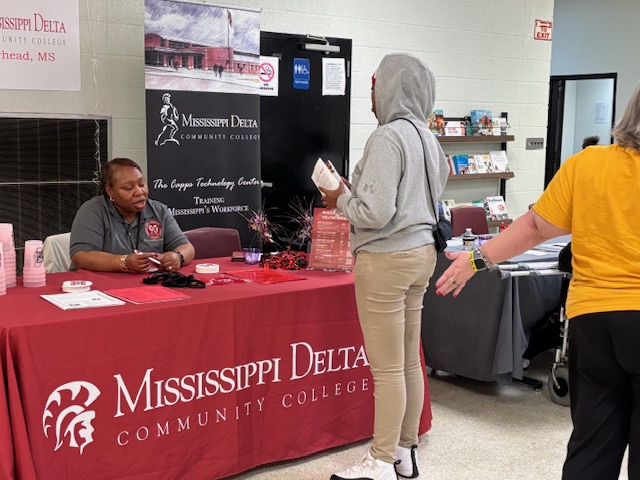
[[392, 217]]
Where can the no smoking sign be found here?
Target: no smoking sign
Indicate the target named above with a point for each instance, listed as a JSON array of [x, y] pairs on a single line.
[[267, 72]]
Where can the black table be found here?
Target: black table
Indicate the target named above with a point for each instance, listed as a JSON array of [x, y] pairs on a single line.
[[484, 332]]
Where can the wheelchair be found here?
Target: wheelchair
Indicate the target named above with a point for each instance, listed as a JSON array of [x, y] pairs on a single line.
[[553, 331]]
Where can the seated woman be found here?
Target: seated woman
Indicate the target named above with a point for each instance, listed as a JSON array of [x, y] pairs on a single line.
[[122, 230]]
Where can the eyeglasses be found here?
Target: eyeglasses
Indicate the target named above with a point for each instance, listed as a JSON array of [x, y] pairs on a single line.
[[173, 279]]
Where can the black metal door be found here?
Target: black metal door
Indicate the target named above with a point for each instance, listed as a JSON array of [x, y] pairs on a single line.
[[298, 126]]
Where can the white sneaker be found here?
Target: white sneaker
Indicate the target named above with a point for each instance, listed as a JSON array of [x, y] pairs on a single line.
[[368, 469], [407, 464]]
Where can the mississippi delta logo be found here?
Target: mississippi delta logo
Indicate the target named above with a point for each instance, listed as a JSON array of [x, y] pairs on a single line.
[[169, 116], [67, 415], [153, 229]]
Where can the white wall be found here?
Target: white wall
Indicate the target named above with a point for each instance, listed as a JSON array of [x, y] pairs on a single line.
[[590, 93], [592, 36], [580, 97], [482, 53], [569, 120]]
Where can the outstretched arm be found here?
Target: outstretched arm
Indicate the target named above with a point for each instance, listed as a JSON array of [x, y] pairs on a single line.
[[526, 232]]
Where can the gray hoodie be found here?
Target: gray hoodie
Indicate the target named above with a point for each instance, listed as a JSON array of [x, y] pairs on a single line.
[[390, 209]]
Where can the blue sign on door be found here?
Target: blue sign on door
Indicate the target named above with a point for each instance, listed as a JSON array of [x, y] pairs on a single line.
[[301, 73]]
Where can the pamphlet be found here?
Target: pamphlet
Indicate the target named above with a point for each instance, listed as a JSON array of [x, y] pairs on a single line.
[[462, 164], [496, 207], [326, 176], [500, 161], [90, 299], [264, 276], [148, 294], [483, 163], [481, 121], [330, 241]]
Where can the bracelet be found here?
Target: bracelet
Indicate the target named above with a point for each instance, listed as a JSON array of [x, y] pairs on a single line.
[[123, 263], [181, 257], [484, 257], [473, 264]]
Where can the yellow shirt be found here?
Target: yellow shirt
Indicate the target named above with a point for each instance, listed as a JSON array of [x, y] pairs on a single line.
[[596, 195]]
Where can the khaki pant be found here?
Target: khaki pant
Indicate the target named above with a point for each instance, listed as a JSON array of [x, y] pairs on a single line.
[[390, 290]]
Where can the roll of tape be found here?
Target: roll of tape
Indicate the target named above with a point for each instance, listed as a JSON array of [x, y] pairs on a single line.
[[207, 268], [76, 286]]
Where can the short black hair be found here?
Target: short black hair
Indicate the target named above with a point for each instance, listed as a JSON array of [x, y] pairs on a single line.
[[106, 173], [588, 141]]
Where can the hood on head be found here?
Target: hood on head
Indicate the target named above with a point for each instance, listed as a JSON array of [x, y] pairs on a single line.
[[404, 88]]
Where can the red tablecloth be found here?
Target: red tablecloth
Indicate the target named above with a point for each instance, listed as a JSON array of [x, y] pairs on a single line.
[[234, 377]]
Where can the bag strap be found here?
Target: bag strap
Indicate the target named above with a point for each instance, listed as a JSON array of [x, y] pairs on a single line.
[[426, 171]]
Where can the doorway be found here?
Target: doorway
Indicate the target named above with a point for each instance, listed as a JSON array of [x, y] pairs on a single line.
[[580, 106], [298, 126]]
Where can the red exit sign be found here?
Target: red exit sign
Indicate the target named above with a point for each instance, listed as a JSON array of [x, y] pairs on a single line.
[[542, 30]]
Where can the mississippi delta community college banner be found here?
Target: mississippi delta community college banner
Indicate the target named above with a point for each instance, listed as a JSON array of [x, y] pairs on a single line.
[[203, 112], [39, 45]]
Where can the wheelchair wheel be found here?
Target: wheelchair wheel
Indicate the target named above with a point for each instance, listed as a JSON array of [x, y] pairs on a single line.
[[560, 395]]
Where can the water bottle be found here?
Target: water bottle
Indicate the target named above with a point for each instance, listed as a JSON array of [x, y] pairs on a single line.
[[468, 240]]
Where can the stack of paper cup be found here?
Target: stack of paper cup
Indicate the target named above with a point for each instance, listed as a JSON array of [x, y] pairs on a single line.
[[3, 277], [33, 274], [9, 257]]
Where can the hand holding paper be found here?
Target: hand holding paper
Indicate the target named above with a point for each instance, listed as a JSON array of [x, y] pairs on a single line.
[[325, 175]]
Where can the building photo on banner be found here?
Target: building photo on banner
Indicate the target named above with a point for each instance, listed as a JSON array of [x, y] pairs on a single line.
[[203, 111]]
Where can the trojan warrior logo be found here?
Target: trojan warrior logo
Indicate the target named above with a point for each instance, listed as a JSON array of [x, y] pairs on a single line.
[[153, 229], [169, 117], [38, 257], [66, 414]]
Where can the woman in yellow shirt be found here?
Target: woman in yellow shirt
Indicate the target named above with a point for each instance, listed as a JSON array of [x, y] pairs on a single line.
[[595, 196]]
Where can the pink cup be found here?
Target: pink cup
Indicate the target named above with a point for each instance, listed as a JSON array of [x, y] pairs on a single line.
[[3, 277], [9, 254], [33, 273], [6, 233], [33, 256]]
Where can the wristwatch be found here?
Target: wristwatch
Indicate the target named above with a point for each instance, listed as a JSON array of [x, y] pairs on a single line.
[[479, 261]]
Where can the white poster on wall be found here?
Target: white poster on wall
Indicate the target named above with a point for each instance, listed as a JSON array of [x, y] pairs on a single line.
[[269, 76], [334, 77], [40, 45]]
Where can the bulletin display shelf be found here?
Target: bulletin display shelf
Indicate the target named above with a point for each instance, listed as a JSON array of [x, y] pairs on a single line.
[[501, 139], [476, 139]]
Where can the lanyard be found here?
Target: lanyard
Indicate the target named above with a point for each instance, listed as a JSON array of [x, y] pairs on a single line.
[[128, 226], [137, 245]]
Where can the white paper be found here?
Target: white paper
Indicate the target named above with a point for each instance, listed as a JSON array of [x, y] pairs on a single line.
[[536, 253], [500, 161], [551, 247], [600, 113], [269, 75], [334, 77], [325, 175], [90, 299]]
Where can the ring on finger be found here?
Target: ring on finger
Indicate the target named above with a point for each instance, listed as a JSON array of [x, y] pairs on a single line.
[[453, 281]]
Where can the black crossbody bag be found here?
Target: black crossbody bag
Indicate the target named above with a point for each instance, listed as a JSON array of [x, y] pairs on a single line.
[[443, 230]]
